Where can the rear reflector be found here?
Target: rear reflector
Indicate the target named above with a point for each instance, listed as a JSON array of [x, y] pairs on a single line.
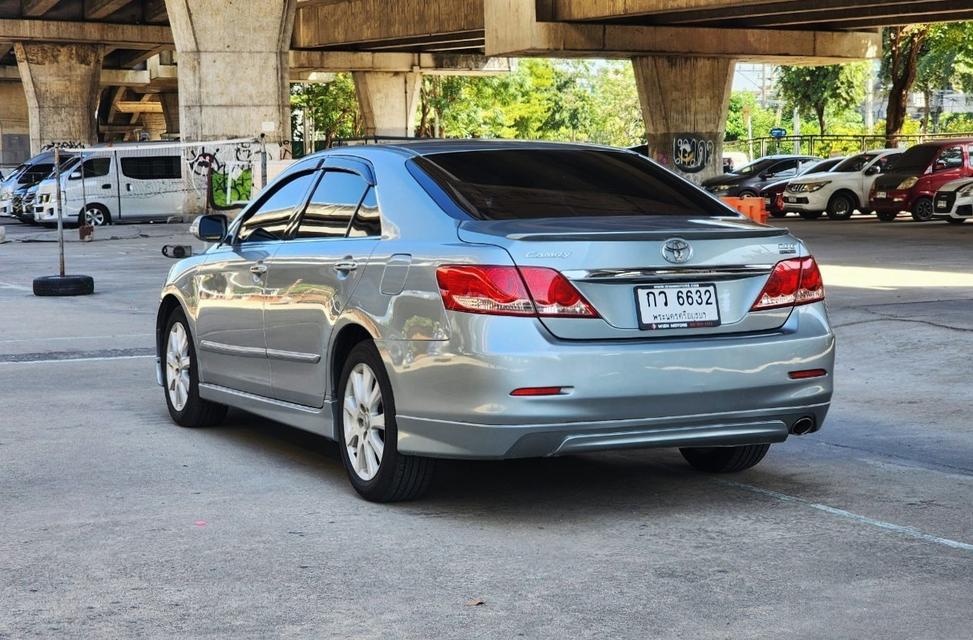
[[509, 291], [807, 373], [538, 391], [791, 283]]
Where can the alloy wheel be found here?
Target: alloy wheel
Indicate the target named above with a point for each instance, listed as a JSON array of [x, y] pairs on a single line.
[[363, 415], [178, 362], [95, 217]]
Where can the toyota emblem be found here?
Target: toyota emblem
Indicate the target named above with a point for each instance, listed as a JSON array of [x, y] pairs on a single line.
[[677, 251]]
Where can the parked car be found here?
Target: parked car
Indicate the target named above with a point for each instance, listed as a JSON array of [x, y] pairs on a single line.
[[28, 175], [748, 180], [773, 194], [7, 186], [488, 299], [122, 184], [919, 173], [954, 201], [842, 190]]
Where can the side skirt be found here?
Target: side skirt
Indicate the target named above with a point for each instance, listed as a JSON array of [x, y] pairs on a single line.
[[315, 420]]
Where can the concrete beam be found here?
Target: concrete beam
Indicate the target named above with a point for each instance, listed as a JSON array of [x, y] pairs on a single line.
[[345, 61], [36, 8], [101, 9], [332, 24], [513, 29], [124, 78], [142, 106], [122, 36]]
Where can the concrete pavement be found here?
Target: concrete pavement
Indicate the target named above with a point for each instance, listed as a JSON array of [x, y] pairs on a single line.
[[116, 523]]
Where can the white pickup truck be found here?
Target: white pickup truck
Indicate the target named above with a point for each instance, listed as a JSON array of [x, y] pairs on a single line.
[[842, 190]]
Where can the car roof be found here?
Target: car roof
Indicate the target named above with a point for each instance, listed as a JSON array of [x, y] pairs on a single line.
[[941, 143], [424, 147]]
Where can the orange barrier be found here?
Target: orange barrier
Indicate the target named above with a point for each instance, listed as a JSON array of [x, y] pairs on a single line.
[[753, 208]]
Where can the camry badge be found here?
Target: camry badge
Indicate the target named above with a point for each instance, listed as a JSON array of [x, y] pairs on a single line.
[[677, 251]]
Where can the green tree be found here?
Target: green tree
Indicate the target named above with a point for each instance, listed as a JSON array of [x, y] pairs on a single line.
[[817, 92], [902, 48], [322, 112]]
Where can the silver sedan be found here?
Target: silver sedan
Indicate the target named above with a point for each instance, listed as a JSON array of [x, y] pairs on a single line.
[[474, 299]]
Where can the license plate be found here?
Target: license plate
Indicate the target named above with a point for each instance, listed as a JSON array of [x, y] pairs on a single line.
[[942, 204], [678, 306], [881, 195], [767, 201], [790, 199]]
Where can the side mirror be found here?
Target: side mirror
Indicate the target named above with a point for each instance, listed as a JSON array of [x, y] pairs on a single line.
[[939, 166], [210, 228], [75, 175], [872, 170]]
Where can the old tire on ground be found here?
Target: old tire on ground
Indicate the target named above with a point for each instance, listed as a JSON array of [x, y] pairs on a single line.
[[811, 215], [841, 206], [64, 286], [724, 459], [922, 210], [366, 432], [180, 377], [887, 216]]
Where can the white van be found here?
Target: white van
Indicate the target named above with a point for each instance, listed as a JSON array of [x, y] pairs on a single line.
[[116, 185]]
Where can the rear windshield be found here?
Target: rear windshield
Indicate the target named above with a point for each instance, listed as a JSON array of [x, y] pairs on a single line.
[[854, 163], [917, 158], [515, 184]]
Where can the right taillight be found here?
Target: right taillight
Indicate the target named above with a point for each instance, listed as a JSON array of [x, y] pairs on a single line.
[[791, 283], [509, 291]]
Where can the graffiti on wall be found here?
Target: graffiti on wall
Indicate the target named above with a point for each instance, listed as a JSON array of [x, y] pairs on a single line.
[[224, 171], [63, 144], [691, 152]]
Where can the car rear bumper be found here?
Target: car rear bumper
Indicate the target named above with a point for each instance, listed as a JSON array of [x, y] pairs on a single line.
[[454, 399]]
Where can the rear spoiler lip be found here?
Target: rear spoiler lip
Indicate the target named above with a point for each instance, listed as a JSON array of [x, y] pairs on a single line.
[[649, 235]]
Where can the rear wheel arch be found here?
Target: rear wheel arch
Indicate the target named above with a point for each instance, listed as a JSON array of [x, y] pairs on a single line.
[[346, 339]]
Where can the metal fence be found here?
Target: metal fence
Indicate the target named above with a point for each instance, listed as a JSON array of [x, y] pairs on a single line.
[[828, 145]]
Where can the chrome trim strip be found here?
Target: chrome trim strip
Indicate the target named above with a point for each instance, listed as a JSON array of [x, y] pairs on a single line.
[[261, 399], [293, 356], [232, 349], [669, 274]]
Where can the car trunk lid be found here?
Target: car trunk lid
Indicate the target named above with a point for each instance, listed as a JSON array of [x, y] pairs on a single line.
[[614, 261]]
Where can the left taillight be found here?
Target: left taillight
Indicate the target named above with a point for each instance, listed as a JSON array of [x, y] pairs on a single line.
[[511, 291], [792, 282]]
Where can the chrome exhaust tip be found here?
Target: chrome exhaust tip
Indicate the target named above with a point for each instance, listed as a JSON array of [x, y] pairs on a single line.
[[804, 426]]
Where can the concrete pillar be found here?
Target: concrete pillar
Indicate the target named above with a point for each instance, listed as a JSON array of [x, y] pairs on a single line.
[[684, 103], [170, 109], [388, 102], [62, 83], [233, 67], [14, 124]]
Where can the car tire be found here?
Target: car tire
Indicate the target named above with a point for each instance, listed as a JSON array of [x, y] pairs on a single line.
[[376, 469], [180, 377], [747, 193], [64, 286], [922, 210], [778, 214], [956, 220], [95, 215], [841, 206], [724, 459], [887, 216], [811, 215]]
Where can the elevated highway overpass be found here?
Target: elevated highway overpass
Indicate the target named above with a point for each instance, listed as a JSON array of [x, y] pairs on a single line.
[[220, 68]]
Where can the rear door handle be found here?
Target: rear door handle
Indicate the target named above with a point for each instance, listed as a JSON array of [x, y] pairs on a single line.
[[258, 269], [345, 266], [106, 186]]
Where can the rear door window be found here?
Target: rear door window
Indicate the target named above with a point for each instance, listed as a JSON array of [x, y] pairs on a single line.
[[332, 205], [512, 184], [152, 167]]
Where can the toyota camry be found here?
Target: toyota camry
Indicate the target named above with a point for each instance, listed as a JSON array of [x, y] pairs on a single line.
[[481, 299]]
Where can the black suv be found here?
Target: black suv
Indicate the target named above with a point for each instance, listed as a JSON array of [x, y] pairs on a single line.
[[749, 179]]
